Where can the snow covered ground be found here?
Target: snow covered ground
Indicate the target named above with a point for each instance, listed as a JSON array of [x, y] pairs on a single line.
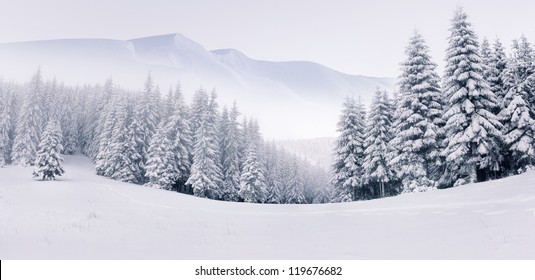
[[84, 216]]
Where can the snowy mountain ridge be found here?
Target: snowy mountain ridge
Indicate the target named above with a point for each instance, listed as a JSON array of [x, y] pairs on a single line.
[[187, 56], [280, 94]]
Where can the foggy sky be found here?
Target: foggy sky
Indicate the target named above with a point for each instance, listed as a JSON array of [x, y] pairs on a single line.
[[352, 36]]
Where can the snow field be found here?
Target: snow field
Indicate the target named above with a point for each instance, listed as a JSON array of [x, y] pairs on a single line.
[[85, 216]]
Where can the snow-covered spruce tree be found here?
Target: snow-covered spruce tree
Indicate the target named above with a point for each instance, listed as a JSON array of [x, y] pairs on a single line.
[[149, 109], [170, 103], [283, 175], [13, 101], [311, 176], [198, 108], [205, 178], [179, 133], [242, 140], [49, 98], [146, 117], [136, 138], [518, 130], [486, 55], [472, 130], [69, 125], [271, 166], [5, 126], [28, 130], [48, 162], [497, 64], [417, 126], [98, 122], [168, 106], [161, 168], [323, 187], [296, 189], [105, 135], [121, 156], [522, 71], [349, 153], [86, 107], [252, 179], [378, 174], [204, 109], [516, 116], [213, 125], [230, 161]]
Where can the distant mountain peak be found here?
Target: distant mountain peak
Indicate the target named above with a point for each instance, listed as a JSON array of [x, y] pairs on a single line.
[[234, 58], [228, 52], [174, 41], [169, 49]]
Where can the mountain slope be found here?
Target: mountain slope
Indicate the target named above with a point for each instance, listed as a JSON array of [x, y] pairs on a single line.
[[84, 216], [285, 96]]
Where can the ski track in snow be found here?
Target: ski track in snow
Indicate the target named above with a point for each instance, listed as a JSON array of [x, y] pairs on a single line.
[[85, 216]]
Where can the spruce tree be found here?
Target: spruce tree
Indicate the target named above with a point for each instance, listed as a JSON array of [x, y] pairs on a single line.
[[99, 120], [48, 162], [230, 162], [121, 156], [349, 153], [213, 134], [519, 130], [69, 125], [516, 115], [295, 191], [169, 106], [136, 139], [324, 192], [29, 125], [417, 128], [161, 169], [521, 71], [497, 65], [273, 182], [486, 56], [252, 180], [377, 172], [180, 135], [205, 178], [145, 120], [284, 176], [148, 109], [5, 126], [472, 129]]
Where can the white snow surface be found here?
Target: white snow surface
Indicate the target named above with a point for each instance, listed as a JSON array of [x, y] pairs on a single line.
[[84, 216]]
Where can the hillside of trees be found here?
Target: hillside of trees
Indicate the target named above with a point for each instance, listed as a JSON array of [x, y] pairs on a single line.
[[473, 124], [144, 138]]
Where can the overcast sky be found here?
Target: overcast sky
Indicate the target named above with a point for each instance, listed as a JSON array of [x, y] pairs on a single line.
[[353, 36]]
